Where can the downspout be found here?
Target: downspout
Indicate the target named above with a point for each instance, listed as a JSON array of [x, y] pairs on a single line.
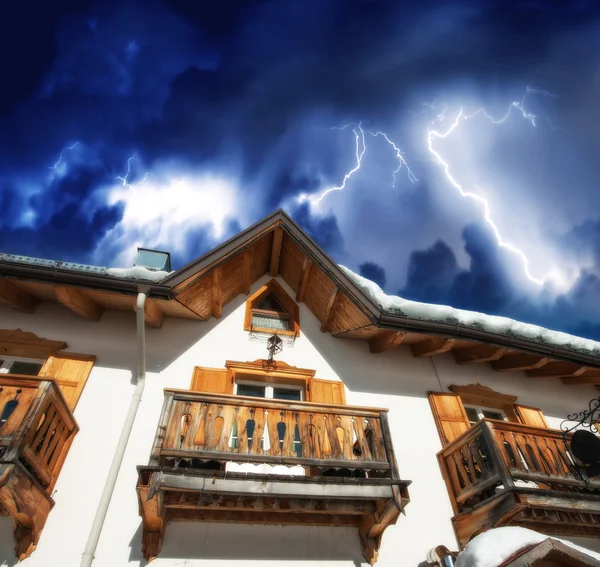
[[113, 473]]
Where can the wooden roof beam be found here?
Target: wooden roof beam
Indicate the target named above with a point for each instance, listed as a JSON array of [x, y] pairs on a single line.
[[152, 314], [557, 370], [217, 294], [276, 251], [432, 346], [519, 361], [385, 340], [304, 277], [247, 271], [79, 302], [478, 353], [330, 312], [13, 296], [592, 376]]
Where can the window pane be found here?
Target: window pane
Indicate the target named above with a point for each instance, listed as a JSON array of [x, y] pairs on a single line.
[[263, 321], [491, 414], [23, 367], [472, 415], [286, 394], [249, 390]]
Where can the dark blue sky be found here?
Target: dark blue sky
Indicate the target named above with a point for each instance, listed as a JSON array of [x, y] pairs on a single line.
[[174, 124]]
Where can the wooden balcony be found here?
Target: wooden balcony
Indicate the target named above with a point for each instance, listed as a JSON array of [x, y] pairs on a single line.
[[350, 472], [500, 473], [36, 431]]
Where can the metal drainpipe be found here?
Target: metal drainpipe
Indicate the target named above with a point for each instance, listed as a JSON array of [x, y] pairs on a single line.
[[113, 473]]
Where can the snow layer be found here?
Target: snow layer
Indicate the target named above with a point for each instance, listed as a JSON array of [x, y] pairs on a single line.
[[492, 548], [138, 273], [491, 323]]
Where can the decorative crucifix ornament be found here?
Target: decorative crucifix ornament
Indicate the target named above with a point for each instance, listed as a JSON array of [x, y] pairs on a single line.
[[274, 346]]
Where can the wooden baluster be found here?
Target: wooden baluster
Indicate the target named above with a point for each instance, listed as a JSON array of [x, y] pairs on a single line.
[[233, 438], [281, 429], [218, 428], [368, 432], [470, 462], [186, 420], [250, 426], [200, 437], [266, 439], [312, 436], [325, 444], [356, 448], [297, 443], [340, 433]]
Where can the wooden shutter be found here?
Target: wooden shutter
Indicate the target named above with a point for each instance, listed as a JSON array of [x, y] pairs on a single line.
[[70, 372], [449, 414], [327, 392], [530, 416], [213, 380]]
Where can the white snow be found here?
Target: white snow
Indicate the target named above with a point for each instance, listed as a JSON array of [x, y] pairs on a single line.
[[491, 323], [138, 273], [492, 548]]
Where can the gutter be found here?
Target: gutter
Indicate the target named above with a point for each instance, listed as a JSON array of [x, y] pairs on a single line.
[[113, 473], [398, 322], [96, 281]]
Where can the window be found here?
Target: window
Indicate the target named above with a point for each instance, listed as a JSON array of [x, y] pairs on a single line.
[[271, 310], [269, 314], [271, 391], [27, 366], [475, 413]]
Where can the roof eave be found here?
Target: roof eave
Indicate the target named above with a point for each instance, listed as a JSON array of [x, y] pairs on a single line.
[[102, 282]]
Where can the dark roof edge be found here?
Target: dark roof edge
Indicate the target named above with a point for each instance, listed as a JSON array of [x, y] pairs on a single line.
[[103, 282], [399, 322]]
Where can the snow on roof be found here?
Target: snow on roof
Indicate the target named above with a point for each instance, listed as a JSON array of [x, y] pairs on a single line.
[[138, 273], [494, 547], [491, 323]]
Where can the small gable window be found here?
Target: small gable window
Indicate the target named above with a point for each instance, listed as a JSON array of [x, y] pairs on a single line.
[[270, 314], [271, 310]]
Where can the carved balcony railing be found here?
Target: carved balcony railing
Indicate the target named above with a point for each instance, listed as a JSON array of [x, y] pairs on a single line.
[[502, 473], [351, 476], [36, 431]]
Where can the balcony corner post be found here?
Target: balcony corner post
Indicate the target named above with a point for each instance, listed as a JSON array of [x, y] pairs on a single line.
[[494, 451]]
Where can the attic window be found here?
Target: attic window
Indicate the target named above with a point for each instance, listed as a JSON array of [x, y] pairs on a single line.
[[271, 310], [270, 314]]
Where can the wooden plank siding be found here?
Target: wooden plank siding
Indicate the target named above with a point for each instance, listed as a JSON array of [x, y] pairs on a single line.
[[290, 262], [318, 293], [348, 316]]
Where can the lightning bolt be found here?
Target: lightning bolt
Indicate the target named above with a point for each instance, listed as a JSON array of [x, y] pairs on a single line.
[[361, 148], [125, 179], [62, 155], [433, 135], [401, 161]]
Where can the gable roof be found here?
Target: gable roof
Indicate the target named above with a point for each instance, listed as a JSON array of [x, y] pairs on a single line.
[[345, 308]]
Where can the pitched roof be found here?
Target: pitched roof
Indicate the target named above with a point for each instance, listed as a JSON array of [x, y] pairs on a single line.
[[345, 307]]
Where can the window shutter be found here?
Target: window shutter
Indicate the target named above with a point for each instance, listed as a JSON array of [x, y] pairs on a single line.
[[530, 416], [70, 372], [212, 380], [327, 392], [449, 414]]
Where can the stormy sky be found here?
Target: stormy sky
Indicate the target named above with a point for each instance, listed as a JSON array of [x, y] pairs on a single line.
[[448, 150]]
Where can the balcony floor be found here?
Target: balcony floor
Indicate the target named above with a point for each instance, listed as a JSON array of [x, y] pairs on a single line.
[[546, 511], [217, 496]]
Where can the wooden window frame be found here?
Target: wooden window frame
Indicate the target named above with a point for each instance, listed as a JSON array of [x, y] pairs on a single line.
[[292, 311], [284, 375], [482, 396]]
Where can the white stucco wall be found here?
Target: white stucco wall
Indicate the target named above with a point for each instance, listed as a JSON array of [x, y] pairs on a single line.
[[393, 379]]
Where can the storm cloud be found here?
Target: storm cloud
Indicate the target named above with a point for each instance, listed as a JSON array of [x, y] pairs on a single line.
[[175, 124]]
